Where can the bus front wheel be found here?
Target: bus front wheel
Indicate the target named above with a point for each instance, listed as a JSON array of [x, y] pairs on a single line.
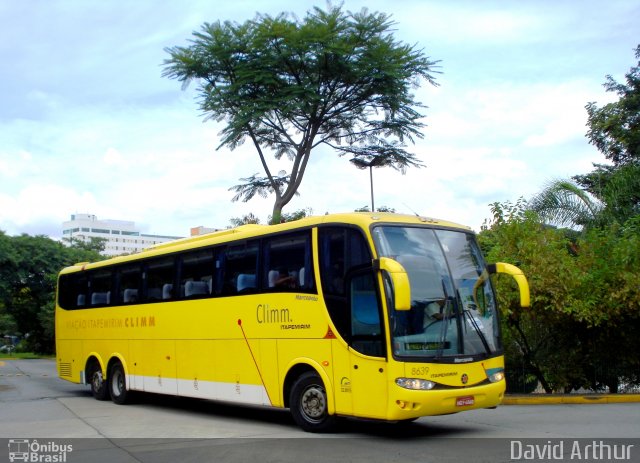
[[309, 406], [118, 384]]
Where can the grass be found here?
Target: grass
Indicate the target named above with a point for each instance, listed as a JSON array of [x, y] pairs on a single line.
[[24, 356]]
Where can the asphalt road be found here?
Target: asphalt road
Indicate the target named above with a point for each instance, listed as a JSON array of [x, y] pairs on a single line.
[[36, 405]]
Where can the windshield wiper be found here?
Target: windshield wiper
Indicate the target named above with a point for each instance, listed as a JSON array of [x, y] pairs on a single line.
[[476, 327], [445, 322]]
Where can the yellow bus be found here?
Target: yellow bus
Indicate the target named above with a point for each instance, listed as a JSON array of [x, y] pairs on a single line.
[[379, 316]]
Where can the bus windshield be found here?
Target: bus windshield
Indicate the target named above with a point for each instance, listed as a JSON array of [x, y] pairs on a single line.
[[453, 312]]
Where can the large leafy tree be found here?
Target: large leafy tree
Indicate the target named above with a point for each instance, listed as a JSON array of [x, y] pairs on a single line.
[[287, 85], [28, 271], [615, 128], [583, 327], [564, 203], [611, 192], [536, 338]]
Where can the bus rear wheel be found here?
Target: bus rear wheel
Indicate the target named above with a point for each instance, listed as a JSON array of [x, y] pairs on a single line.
[[118, 384], [309, 405], [99, 388]]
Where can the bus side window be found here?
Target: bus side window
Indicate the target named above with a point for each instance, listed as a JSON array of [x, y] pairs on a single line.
[[72, 292], [130, 278], [160, 279], [101, 287], [287, 264], [240, 265], [197, 274]]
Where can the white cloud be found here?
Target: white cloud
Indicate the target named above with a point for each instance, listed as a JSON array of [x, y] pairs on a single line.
[[104, 133], [112, 157], [50, 201]]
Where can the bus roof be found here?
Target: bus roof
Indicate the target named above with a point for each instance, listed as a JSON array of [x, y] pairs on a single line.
[[362, 219]]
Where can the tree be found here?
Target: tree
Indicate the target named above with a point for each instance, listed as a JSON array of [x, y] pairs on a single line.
[[244, 220], [564, 203], [296, 215], [535, 339], [29, 266], [334, 78], [615, 128], [93, 245], [583, 327], [378, 209], [610, 193], [617, 188], [608, 260]]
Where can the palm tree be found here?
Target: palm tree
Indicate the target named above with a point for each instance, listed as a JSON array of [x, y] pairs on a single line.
[[564, 203], [608, 194]]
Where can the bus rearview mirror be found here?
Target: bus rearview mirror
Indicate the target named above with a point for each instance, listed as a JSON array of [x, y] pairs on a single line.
[[399, 279], [516, 274]]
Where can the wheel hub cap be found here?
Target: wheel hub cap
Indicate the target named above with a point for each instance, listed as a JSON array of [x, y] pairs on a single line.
[[313, 403]]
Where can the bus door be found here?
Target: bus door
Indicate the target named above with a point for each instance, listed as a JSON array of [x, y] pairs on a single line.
[[367, 347], [353, 303]]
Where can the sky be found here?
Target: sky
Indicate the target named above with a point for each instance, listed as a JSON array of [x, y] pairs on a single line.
[[89, 125]]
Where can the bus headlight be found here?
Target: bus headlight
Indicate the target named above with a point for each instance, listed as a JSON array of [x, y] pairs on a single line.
[[497, 376], [415, 384]]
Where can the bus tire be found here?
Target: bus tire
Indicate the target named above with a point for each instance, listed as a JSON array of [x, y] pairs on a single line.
[[118, 384], [99, 387], [309, 405]]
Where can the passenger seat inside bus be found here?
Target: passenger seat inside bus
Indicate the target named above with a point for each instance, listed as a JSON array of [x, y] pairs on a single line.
[[196, 288], [130, 295], [273, 277], [100, 298], [301, 277], [167, 291], [246, 281]]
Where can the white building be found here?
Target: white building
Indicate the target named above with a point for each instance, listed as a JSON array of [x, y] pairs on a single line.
[[122, 236]]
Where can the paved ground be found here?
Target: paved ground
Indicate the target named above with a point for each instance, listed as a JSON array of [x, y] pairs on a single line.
[[583, 399], [35, 404]]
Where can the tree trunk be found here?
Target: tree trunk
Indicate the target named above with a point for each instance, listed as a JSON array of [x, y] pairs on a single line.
[[276, 216], [528, 356]]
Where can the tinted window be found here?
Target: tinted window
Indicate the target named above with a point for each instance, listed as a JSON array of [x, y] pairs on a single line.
[[341, 250], [72, 292], [130, 284], [287, 263], [197, 274], [100, 288], [240, 265], [366, 324], [161, 279]]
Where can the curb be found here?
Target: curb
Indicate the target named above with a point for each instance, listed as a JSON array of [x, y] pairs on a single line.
[[539, 399]]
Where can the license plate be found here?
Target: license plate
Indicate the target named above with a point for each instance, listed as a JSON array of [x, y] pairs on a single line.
[[465, 401]]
